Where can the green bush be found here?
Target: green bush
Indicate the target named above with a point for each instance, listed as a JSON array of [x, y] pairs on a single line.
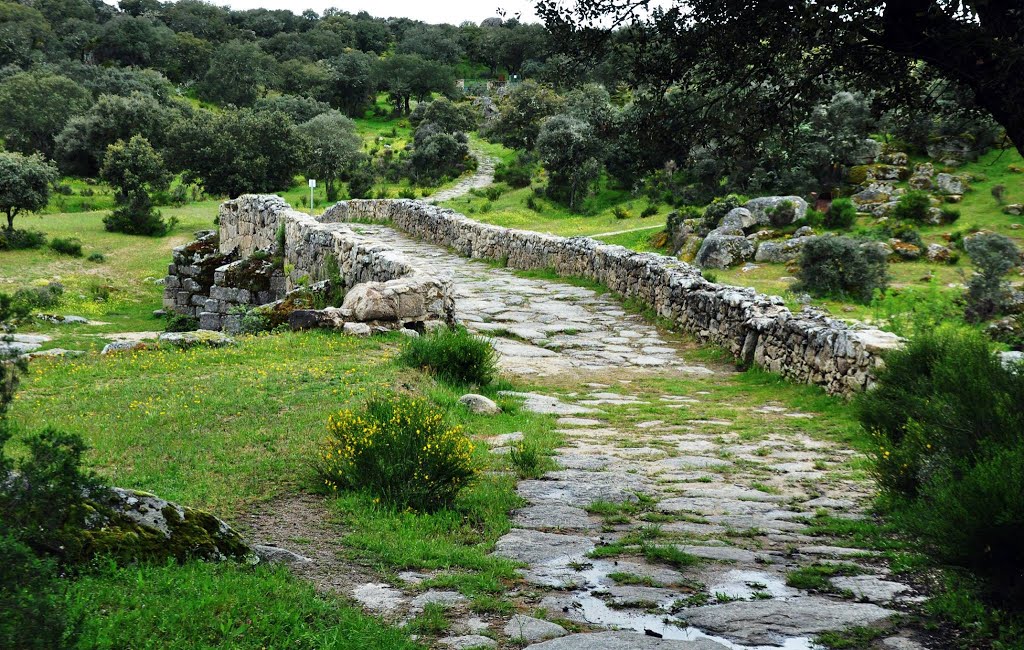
[[66, 246], [905, 233], [453, 355], [181, 323], [947, 419], [621, 212], [718, 208], [134, 215], [649, 211], [516, 174], [841, 267], [913, 206], [26, 300], [97, 257], [988, 292], [32, 614], [399, 449], [17, 240], [841, 215]]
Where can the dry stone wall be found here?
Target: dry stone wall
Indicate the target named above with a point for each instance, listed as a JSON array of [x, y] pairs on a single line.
[[381, 287], [807, 347]]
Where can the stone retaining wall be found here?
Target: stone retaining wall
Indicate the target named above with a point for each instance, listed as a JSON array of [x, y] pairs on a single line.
[[807, 347]]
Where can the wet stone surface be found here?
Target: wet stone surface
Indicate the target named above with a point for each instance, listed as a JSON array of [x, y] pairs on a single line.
[[676, 481]]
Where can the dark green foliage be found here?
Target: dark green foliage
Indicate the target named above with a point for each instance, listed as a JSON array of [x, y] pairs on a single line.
[[904, 232], [25, 183], [718, 208], [35, 106], [841, 267], [137, 171], [360, 182], [571, 153], [17, 240], [841, 215], [45, 505], [24, 301], [181, 323], [32, 613], [913, 206], [235, 152], [947, 418], [521, 114], [516, 174], [331, 149], [66, 246], [988, 291], [238, 71], [438, 154], [453, 355], [298, 109], [97, 257], [449, 116]]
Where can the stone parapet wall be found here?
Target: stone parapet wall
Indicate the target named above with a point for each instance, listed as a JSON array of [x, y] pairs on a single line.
[[807, 347], [382, 287]]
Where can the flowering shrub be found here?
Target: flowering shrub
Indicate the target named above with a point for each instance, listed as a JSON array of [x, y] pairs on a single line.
[[400, 450]]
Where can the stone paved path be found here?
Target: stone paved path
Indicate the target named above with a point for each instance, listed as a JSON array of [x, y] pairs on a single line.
[[540, 326], [482, 177], [685, 481]]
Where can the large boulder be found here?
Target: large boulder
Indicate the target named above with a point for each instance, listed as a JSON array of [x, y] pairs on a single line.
[[724, 248], [412, 298], [738, 219], [950, 184], [875, 193], [782, 251], [777, 210]]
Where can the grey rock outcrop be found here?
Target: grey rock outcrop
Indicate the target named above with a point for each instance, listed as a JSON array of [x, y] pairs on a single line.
[[777, 210], [781, 252], [724, 248]]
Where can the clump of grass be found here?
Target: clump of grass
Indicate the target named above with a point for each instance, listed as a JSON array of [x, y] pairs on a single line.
[[527, 459], [453, 355], [815, 577]]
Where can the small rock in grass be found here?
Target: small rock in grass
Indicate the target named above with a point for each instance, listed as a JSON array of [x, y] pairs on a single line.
[[479, 404], [278, 555], [356, 329]]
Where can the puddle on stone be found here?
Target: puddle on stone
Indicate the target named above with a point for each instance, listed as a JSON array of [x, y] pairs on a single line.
[[596, 612]]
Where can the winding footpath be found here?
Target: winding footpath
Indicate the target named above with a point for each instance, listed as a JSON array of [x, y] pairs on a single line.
[[726, 480]]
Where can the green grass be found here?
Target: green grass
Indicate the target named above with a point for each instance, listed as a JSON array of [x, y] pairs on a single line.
[[225, 605], [815, 577], [510, 210], [851, 638]]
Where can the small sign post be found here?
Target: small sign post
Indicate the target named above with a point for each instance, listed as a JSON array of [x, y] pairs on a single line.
[[312, 186]]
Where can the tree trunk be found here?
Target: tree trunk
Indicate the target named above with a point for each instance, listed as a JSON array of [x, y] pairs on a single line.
[[10, 221]]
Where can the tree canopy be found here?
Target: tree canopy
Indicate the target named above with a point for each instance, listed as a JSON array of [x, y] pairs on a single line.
[[787, 55]]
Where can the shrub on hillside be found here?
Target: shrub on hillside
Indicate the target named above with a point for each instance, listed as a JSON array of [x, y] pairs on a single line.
[[17, 240], [453, 355], [718, 208], [400, 450], [912, 206], [841, 215], [947, 418], [841, 267], [988, 292], [515, 174], [66, 246]]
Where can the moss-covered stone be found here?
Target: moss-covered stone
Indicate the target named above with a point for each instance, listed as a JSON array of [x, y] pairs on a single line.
[[137, 526]]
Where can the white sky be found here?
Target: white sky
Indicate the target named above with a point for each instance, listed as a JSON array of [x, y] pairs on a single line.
[[429, 11]]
